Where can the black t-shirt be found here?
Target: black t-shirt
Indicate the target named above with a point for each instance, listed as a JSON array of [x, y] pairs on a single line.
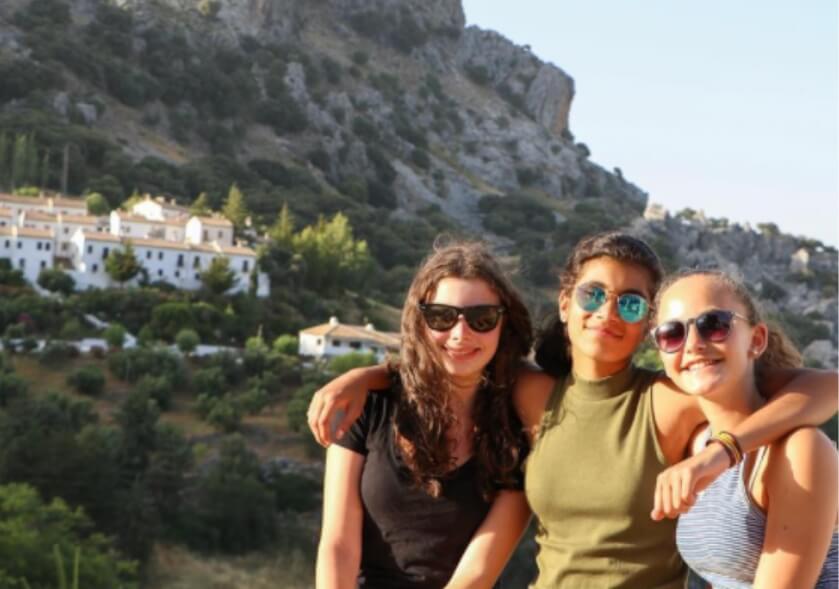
[[409, 540]]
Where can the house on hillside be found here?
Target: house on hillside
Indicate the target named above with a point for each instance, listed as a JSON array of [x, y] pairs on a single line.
[[336, 339], [134, 226], [159, 208], [44, 204], [28, 250], [208, 229]]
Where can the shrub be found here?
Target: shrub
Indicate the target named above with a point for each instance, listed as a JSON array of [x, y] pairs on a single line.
[[209, 381], [293, 492], [420, 158], [11, 387], [88, 380], [56, 353], [286, 344], [187, 340], [54, 280], [158, 388], [114, 334]]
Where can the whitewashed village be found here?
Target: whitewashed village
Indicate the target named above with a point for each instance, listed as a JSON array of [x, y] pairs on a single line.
[[170, 244]]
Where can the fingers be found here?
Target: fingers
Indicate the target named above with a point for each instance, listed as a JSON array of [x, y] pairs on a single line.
[[674, 494], [324, 419], [313, 415]]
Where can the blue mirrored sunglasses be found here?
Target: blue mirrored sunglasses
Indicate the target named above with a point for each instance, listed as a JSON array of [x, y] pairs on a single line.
[[632, 307]]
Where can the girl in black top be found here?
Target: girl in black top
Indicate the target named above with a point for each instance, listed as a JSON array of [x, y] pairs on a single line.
[[424, 491]]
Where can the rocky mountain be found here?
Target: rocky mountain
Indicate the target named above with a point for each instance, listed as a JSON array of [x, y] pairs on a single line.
[[390, 110]]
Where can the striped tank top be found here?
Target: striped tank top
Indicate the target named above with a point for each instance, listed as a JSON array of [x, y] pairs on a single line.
[[721, 537]]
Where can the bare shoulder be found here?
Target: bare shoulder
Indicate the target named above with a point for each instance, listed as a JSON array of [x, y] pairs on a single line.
[[803, 457], [673, 408], [531, 394]]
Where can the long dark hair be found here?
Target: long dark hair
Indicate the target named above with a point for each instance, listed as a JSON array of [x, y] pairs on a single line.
[[780, 352], [552, 352], [423, 416]]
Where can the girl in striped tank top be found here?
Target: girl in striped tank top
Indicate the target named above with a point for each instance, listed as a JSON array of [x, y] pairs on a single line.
[[771, 520]]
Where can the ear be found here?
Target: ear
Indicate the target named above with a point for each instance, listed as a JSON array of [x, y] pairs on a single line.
[[563, 301], [759, 341]]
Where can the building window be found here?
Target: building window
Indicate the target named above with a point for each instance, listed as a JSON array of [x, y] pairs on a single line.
[[64, 246], [336, 343], [205, 235], [90, 249], [197, 276], [66, 230], [160, 272], [21, 263], [19, 244], [180, 260], [177, 273], [43, 264], [105, 252], [8, 243], [196, 263], [244, 265], [47, 246], [319, 342], [148, 255], [355, 345], [220, 234], [39, 246], [2, 223], [159, 255], [94, 268]]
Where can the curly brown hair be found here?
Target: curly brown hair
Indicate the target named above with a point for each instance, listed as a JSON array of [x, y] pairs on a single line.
[[423, 416]]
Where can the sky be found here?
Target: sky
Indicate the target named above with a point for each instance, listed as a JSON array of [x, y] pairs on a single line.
[[729, 107]]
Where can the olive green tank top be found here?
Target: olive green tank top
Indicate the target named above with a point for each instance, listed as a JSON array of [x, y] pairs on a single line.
[[590, 480]]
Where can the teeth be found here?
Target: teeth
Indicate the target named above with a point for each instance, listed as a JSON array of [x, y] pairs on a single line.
[[699, 365]]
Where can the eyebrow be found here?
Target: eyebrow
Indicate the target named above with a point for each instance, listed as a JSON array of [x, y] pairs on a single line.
[[623, 292]]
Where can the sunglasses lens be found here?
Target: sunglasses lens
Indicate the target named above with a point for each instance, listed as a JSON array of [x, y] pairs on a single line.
[[669, 336], [482, 318], [439, 317], [590, 297], [714, 326], [632, 307]]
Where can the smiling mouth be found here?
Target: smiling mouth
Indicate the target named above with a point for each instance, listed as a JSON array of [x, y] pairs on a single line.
[[604, 331], [461, 352], [697, 365]]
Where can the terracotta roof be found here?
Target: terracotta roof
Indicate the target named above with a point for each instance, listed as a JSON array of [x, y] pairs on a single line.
[[26, 232], [215, 221], [96, 236], [83, 219], [33, 200], [40, 216], [60, 201], [133, 218], [354, 332], [4, 212]]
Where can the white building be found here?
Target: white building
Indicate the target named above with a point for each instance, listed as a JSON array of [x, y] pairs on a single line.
[[179, 264], [38, 220], [336, 339], [134, 226], [7, 217], [44, 204], [69, 224], [207, 229], [28, 250], [159, 208]]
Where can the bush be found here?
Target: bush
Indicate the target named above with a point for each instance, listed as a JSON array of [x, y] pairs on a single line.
[[157, 388], [131, 365], [342, 364], [293, 492], [187, 340], [56, 353], [420, 158], [209, 381], [88, 380], [11, 387], [286, 344], [114, 334], [54, 280]]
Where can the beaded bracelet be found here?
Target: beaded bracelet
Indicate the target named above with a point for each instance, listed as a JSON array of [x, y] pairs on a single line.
[[731, 445]]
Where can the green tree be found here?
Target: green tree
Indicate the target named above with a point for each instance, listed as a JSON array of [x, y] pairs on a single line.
[[200, 206], [33, 531], [286, 344], [55, 280], [122, 264], [283, 229], [88, 380], [114, 334], [218, 278], [331, 257], [20, 165], [97, 204], [235, 208], [187, 340], [5, 176], [346, 362]]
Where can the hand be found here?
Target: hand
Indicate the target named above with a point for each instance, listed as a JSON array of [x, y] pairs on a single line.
[[676, 488], [341, 400]]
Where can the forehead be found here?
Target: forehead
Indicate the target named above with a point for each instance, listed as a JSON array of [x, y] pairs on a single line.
[[616, 276], [692, 295], [463, 292]]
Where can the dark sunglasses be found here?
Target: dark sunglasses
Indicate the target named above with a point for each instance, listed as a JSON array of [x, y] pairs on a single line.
[[712, 326], [632, 307], [480, 318]]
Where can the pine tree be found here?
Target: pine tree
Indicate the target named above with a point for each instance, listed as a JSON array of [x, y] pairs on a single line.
[[235, 208], [200, 206], [32, 163], [45, 169], [283, 229], [4, 162], [19, 164], [122, 265]]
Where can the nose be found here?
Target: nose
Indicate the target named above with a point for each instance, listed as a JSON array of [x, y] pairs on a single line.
[[692, 339], [609, 309], [459, 328]]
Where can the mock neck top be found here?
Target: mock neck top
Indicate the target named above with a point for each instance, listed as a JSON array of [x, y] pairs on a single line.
[[590, 480]]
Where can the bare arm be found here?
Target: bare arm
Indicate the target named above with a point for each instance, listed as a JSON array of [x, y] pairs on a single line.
[[493, 543], [339, 551], [346, 395], [801, 484], [798, 398]]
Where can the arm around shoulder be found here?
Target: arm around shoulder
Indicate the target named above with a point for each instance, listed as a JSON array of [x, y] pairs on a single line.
[[801, 485], [339, 550], [531, 395]]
